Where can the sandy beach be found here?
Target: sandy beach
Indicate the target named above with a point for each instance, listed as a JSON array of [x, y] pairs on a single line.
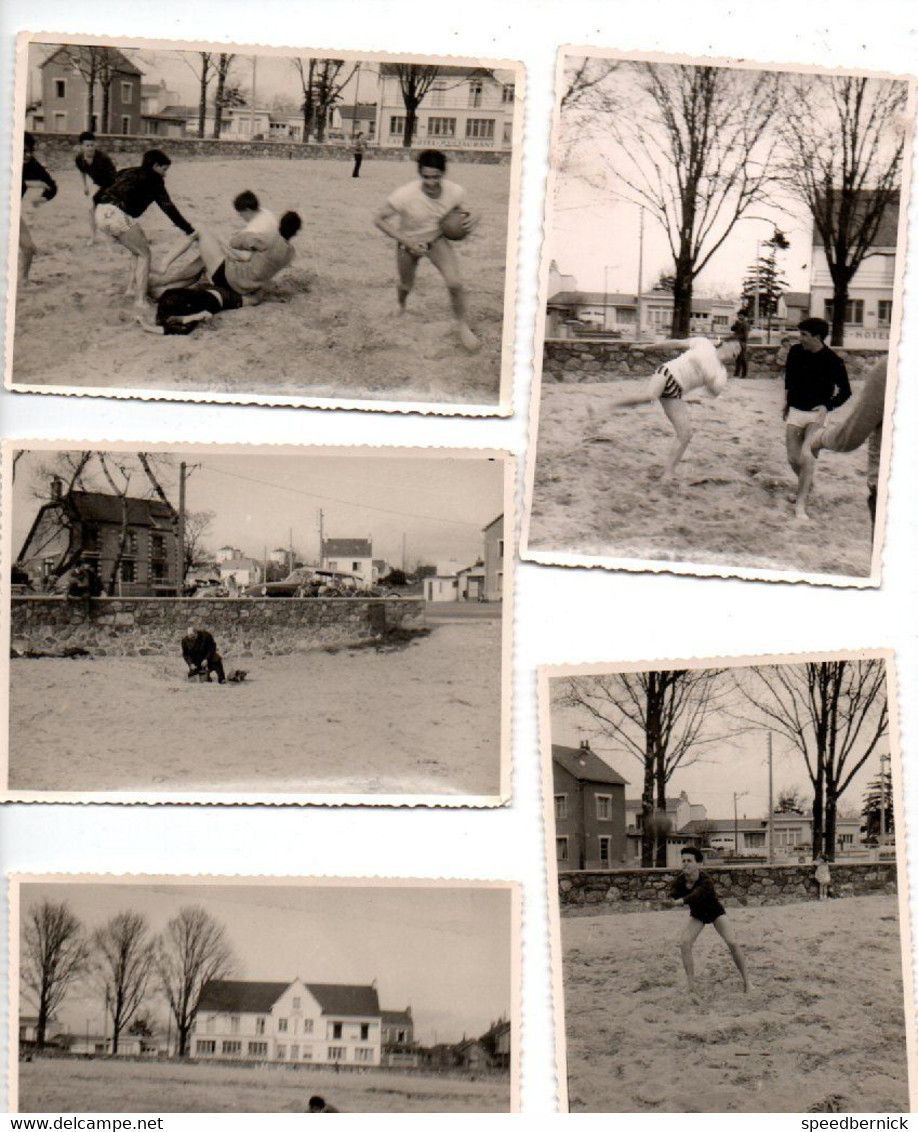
[[424, 719], [822, 1031], [730, 504], [337, 336], [113, 1086]]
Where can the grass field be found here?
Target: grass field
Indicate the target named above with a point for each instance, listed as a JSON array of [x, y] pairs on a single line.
[[421, 720], [338, 336], [822, 1031], [729, 505], [113, 1086]]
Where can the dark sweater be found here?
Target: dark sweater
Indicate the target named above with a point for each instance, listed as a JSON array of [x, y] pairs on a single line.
[[135, 189], [101, 170], [33, 170], [701, 898], [811, 380]]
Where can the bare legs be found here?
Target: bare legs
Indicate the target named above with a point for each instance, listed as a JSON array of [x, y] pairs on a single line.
[[803, 463], [26, 251], [677, 413], [445, 260], [137, 244], [687, 941]]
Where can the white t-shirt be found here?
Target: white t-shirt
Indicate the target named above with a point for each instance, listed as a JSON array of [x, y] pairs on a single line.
[[419, 214], [699, 366]]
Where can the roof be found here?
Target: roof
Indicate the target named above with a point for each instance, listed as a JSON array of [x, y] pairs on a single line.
[[499, 519], [363, 113], [637, 803], [888, 231], [585, 766], [479, 72], [98, 507], [238, 564], [397, 1017], [594, 298], [711, 825], [230, 996], [796, 298], [122, 64], [348, 547], [345, 999]]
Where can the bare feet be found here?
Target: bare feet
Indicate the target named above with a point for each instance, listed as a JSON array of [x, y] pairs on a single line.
[[468, 339], [145, 324]]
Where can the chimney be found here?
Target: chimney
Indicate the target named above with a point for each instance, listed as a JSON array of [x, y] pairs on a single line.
[[585, 745], [57, 489]]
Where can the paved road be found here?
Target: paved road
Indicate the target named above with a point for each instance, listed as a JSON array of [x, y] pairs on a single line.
[[464, 610]]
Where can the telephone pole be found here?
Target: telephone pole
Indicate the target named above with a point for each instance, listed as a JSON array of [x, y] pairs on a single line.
[[180, 573], [321, 535], [771, 807]]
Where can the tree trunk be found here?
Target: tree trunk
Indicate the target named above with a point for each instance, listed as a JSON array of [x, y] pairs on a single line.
[[218, 98], [682, 295], [90, 102], [42, 1026], [309, 103], [122, 543], [183, 1032], [105, 123], [839, 306], [831, 816], [321, 118], [411, 118], [202, 104], [660, 837], [818, 810]]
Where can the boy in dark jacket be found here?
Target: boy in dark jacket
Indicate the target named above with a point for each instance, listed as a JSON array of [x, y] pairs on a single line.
[[696, 890], [33, 173]]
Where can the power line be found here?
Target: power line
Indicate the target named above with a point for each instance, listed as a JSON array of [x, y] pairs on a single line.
[[345, 502]]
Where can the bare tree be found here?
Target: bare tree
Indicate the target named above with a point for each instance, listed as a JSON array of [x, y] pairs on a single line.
[[222, 67], [328, 86], [306, 69], [197, 524], [123, 957], [55, 953], [584, 82], [414, 81], [695, 151], [661, 718], [790, 801], [845, 140], [193, 951], [835, 713], [203, 67]]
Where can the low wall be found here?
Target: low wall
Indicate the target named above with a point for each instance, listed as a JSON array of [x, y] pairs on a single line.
[[153, 626], [57, 150], [573, 360], [645, 890]]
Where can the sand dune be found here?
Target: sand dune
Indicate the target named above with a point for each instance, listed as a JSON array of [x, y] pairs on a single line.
[[425, 719], [730, 504], [823, 1029], [338, 336]]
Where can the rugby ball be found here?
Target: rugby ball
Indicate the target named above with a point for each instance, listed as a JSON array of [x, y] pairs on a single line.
[[453, 224]]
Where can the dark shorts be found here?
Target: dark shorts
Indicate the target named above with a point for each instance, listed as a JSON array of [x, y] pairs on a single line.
[[672, 390], [709, 915], [232, 300]]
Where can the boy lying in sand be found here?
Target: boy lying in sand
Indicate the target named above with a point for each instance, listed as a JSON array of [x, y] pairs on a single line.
[[696, 890], [702, 366]]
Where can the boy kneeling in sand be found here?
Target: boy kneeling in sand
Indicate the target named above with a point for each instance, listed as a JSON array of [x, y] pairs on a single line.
[[199, 651], [696, 890]]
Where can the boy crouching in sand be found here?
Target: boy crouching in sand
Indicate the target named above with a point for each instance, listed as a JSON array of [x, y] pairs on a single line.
[[696, 890], [199, 651]]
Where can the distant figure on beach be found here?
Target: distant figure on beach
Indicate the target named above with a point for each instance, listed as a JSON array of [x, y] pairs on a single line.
[[358, 149], [412, 216], [199, 651], [863, 423], [702, 366], [815, 383], [741, 329], [696, 890], [320, 1104], [33, 173], [97, 167], [822, 875]]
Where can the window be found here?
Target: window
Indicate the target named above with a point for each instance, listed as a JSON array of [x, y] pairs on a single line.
[[854, 312], [337, 1053], [128, 570], [604, 853], [560, 807], [884, 312], [157, 546], [294, 1053], [441, 127], [363, 1055], [336, 1030], [130, 543], [562, 849], [355, 566], [281, 1053], [125, 123], [282, 1025], [203, 1049], [60, 123], [755, 840], [500, 548], [307, 1053], [401, 1035], [259, 1026], [397, 126], [480, 128], [258, 1049], [845, 839], [307, 1025], [232, 1049], [60, 88], [508, 93], [475, 92], [364, 1031], [508, 133], [159, 571], [603, 807], [297, 1004], [127, 92], [437, 93], [209, 1024]]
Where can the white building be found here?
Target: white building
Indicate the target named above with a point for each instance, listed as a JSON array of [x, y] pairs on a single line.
[[324, 1023], [465, 108], [349, 556], [245, 571]]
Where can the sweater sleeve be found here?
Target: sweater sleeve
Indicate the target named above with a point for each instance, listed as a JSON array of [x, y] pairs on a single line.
[[164, 201]]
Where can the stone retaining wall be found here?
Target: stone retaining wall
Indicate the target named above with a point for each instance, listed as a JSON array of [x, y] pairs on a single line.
[[572, 360], [57, 150], [645, 890], [153, 626]]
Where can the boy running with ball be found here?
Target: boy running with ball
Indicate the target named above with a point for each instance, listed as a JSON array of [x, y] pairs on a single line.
[[412, 216], [696, 891]]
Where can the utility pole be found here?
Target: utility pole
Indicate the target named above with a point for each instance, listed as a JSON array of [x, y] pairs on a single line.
[[404, 553], [771, 807], [884, 825], [755, 319], [321, 535], [292, 555], [180, 572], [640, 280], [736, 821]]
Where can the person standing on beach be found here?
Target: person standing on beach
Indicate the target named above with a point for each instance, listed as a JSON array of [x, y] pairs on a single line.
[[358, 149], [33, 173], [696, 890], [97, 167], [822, 875], [702, 366]]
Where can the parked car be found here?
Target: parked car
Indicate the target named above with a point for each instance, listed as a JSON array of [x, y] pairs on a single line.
[[309, 581]]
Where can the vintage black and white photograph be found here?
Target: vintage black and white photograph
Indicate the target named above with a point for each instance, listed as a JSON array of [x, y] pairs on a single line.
[[299, 995], [725, 851], [309, 229], [258, 622], [721, 299]]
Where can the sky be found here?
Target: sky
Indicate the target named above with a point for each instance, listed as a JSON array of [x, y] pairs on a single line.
[[737, 764], [440, 504], [594, 230], [446, 952]]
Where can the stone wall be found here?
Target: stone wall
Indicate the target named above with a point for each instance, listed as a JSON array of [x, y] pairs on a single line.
[[573, 360], [153, 626], [645, 890], [57, 151]]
